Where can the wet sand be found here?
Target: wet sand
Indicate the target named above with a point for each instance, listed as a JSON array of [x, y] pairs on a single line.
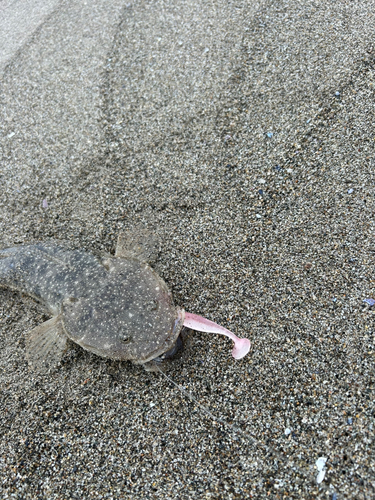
[[243, 135]]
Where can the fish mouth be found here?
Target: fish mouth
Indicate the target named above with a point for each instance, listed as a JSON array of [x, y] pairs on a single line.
[[172, 353], [159, 363]]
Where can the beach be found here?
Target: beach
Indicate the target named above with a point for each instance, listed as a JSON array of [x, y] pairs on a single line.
[[241, 134]]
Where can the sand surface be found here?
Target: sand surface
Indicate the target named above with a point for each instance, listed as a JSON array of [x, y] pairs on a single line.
[[243, 134]]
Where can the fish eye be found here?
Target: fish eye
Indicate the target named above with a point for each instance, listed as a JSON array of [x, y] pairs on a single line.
[[70, 300], [152, 305], [125, 339]]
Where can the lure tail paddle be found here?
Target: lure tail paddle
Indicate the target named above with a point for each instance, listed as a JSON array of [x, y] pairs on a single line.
[[195, 322]]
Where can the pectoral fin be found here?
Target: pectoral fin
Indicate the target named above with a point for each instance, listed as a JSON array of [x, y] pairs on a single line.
[[46, 344]]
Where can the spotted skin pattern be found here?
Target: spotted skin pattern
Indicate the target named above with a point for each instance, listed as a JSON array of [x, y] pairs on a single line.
[[116, 307]]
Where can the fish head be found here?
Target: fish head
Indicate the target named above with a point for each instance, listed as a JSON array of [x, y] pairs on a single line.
[[130, 316]]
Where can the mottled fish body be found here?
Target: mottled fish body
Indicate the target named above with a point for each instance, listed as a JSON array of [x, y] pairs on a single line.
[[115, 307], [51, 273]]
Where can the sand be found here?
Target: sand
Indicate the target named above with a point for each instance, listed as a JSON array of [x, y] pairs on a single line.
[[242, 133]]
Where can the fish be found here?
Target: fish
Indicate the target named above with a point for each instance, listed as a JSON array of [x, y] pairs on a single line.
[[115, 306]]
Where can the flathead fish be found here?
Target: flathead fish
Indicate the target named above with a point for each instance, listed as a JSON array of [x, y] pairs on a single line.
[[114, 306]]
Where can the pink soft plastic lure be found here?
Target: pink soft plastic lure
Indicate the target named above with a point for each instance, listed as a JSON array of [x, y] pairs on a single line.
[[195, 322]]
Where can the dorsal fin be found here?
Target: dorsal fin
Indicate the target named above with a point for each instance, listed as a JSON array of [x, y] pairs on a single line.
[[141, 244]]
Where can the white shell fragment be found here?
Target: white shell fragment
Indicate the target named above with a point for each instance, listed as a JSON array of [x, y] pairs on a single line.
[[320, 476], [320, 465]]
